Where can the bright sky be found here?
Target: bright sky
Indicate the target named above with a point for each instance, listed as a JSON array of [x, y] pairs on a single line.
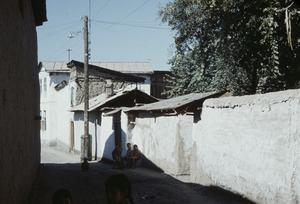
[[121, 31]]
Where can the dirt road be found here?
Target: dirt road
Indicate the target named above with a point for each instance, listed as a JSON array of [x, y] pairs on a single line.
[[148, 186]]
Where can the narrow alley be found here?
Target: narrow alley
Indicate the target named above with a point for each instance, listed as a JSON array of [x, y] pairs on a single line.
[[62, 170]]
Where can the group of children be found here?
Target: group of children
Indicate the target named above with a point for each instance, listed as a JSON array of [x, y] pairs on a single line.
[[131, 156]]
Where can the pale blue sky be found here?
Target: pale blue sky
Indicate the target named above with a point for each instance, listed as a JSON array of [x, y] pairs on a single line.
[[138, 34]]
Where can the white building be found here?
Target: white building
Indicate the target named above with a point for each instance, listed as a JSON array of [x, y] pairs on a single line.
[[58, 96], [108, 124], [54, 103]]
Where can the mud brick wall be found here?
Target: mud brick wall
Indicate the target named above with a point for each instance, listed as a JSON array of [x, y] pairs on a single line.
[[19, 102]]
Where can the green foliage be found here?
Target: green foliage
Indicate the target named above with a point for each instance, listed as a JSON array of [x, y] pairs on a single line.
[[234, 45]]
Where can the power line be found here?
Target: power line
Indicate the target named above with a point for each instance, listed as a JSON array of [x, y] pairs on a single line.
[[55, 26], [133, 11], [101, 8], [131, 25], [130, 13], [135, 40], [59, 53], [87, 10], [53, 32]]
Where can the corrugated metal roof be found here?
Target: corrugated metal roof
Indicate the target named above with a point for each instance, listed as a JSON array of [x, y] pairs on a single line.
[[124, 67], [173, 103], [102, 99], [127, 67], [55, 66]]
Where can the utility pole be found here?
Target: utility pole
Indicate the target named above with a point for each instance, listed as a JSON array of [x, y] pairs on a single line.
[[86, 150]]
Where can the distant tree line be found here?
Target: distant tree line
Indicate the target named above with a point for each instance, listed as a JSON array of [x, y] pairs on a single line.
[[246, 47]]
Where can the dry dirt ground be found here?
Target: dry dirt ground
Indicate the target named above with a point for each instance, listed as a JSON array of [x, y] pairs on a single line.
[[148, 186]]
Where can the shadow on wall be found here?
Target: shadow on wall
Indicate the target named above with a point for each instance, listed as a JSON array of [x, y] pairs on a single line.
[[108, 148], [112, 141]]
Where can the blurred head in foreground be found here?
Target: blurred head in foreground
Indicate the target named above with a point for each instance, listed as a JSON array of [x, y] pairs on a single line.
[[62, 196], [118, 189]]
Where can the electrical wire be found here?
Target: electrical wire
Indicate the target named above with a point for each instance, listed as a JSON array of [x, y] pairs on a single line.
[[54, 32], [101, 9], [133, 11], [86, 10], [57, 53], [59, 25], [131, 25], [136, 40]]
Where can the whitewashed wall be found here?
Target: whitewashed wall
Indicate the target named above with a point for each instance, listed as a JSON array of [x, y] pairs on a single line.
[[107, 137], [56, 104], [146, 86], [94, 130], [101, 128], [165, 141], [250, 145]]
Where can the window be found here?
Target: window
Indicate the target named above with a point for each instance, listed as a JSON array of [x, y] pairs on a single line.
[[45, 86], [41, 86], [43, 120]]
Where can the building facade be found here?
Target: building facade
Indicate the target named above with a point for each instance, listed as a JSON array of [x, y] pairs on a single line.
[[61, 86]]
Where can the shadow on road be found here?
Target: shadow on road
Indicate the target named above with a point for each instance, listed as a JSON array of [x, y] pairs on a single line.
[[148, 186]]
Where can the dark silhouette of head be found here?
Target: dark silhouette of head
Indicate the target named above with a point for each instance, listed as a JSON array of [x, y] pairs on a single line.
[[118, 189], [62, 196]]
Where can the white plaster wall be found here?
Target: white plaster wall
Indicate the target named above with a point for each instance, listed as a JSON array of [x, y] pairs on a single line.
[[94, 129], [78, 130], [126, 134], [184, 142], [165, 141], [56, 104], [107, 137], [250, 145], [103, 130], [43, 102], [146, 86]]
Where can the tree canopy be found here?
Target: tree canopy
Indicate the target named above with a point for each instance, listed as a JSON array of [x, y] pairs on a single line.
[[246, 47]]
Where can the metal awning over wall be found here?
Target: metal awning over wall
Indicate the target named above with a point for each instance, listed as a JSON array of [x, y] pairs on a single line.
[[189, 102]]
